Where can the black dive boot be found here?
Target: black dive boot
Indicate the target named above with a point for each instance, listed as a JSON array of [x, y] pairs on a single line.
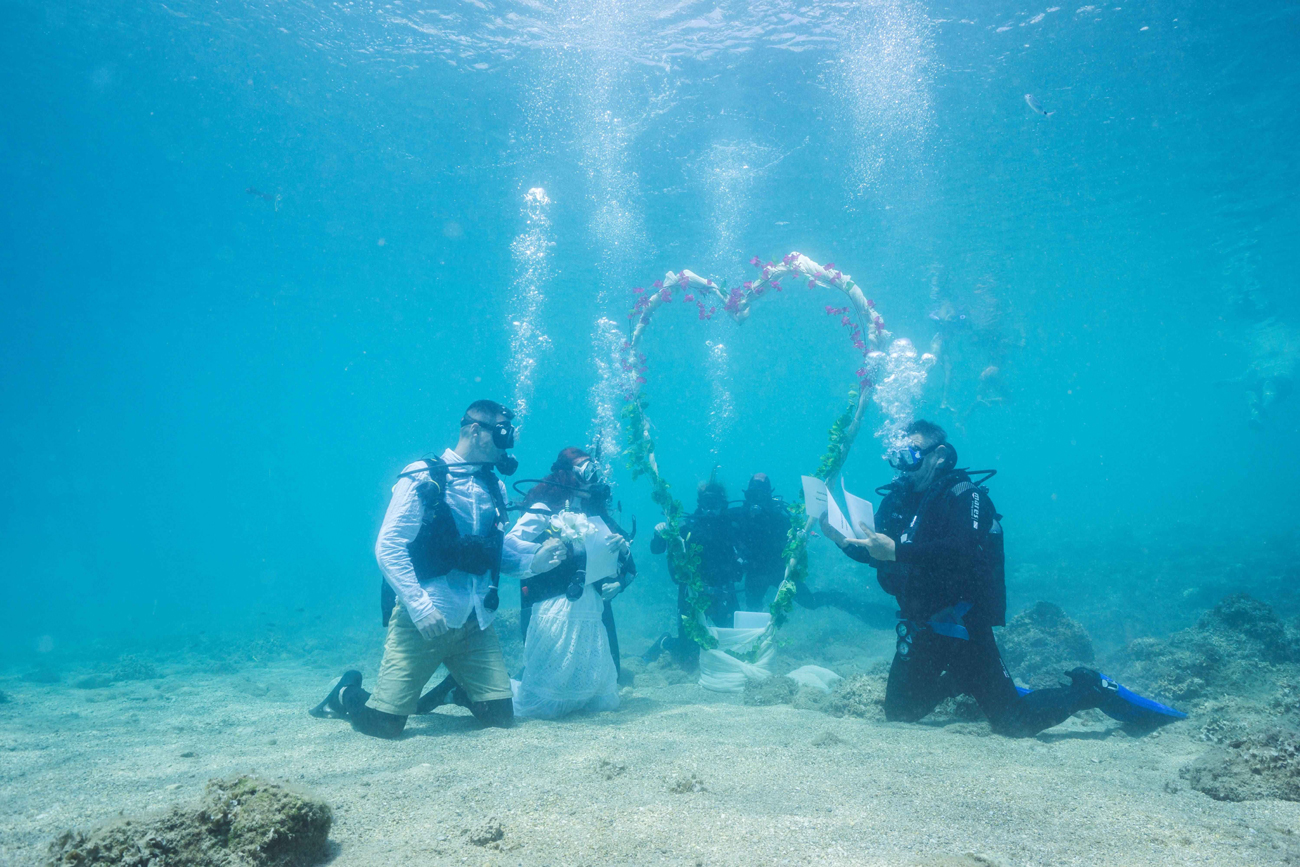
[[657, 649], [332, 707], [367, 720], [436, 697]]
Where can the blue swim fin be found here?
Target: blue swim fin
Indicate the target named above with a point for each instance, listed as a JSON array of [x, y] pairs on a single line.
[[1121, 703], [1127, 706]]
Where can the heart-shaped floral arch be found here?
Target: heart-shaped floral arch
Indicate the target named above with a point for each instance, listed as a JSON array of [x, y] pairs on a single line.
[[866, 329]]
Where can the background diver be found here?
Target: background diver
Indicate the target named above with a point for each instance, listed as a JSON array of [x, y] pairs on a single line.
[[713, 529]]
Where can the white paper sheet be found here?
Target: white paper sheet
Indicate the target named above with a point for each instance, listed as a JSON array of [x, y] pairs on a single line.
[[836, 519], [815, 496], [601, 562], [860, 511]]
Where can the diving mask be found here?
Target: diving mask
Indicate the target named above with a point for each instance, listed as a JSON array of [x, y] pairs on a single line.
[[908, 458]]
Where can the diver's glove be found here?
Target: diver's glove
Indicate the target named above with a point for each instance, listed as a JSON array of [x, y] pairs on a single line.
[[474, 555]]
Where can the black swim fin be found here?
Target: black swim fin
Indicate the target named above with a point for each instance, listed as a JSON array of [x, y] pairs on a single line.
[[332, 707]]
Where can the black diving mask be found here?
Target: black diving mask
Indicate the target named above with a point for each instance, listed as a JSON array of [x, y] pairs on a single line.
[[909, 458], [503, 432], [593, 486]]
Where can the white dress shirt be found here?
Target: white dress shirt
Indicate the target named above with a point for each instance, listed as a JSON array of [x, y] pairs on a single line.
[[457, 594]]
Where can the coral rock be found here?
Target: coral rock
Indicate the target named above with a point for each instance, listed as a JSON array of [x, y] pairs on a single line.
[[1250, 768], [241, 822], [1042, 642]]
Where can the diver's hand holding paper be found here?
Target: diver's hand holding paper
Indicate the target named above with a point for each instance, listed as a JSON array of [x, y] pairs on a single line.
[[820, 504]]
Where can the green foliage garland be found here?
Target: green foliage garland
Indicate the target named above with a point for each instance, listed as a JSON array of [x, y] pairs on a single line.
[[796, 546], [683, 554]]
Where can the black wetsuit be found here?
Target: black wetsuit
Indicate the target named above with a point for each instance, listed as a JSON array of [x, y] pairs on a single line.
[[948, 577], [761, 531], [720, 570]]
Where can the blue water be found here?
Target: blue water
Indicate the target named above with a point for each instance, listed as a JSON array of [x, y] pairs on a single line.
[[208, 392]]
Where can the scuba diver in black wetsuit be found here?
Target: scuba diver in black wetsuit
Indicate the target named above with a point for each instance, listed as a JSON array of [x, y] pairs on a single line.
[[762, 525], [714, 530], [939, 552]]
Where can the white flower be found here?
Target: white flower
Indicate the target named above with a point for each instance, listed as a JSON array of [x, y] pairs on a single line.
[[572, 526]]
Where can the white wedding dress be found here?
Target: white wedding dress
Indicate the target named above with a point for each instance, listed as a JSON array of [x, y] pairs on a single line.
[[567, 663]]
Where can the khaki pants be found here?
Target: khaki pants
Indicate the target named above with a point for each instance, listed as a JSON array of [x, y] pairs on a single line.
[[472, 655]]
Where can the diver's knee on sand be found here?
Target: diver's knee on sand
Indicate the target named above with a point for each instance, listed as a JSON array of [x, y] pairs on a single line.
[[497, 713], [367, 720]]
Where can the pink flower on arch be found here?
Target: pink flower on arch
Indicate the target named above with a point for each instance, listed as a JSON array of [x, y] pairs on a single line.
[[788, 258], [683, 281], [830, 266], [749, 284], [755, 261], [776, 285], [658, 284], [689, 297], [871, 304], [638, 290], [640, 380], [812, 284]]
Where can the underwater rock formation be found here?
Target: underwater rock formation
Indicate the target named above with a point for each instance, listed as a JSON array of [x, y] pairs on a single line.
[[241, 822], [1234, 648], [862, 696], [771, 690], [1250, 768], [1041, 643], [488, 831]]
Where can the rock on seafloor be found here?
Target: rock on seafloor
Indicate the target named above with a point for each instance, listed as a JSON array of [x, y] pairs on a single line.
[[241, 822], [1254, 767], [1042, 642]]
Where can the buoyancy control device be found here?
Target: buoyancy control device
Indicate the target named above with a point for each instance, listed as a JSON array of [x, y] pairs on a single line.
[[439, 547]]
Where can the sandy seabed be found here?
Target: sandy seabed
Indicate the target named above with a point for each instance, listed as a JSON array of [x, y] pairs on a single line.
[[677, 776]]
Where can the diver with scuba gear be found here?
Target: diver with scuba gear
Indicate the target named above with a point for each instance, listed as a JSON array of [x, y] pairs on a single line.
[[939, 552], [570, 642], [762, 525], [713, 528], [574, 483], [441, 553]]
